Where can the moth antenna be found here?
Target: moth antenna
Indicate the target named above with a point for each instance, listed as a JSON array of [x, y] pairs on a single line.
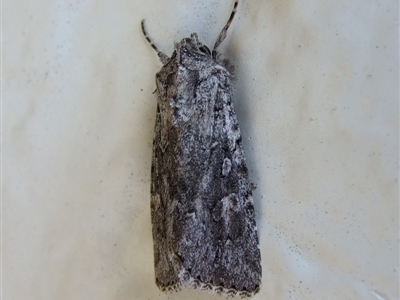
[[163, 57], [224, 30]]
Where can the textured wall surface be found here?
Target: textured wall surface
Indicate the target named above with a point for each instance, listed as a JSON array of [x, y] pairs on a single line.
[[317, 100]]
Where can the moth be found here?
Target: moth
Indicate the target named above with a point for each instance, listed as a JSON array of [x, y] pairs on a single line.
[[202, 210]]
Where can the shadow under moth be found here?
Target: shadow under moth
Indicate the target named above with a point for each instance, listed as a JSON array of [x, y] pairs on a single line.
[[202, 210]]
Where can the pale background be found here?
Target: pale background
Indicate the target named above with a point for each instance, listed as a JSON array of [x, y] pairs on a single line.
[[317, 100]]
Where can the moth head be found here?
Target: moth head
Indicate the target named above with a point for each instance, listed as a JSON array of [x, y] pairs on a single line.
[[192, 46]]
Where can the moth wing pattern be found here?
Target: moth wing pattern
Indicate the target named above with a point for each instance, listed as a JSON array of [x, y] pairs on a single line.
[[202, 210]]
